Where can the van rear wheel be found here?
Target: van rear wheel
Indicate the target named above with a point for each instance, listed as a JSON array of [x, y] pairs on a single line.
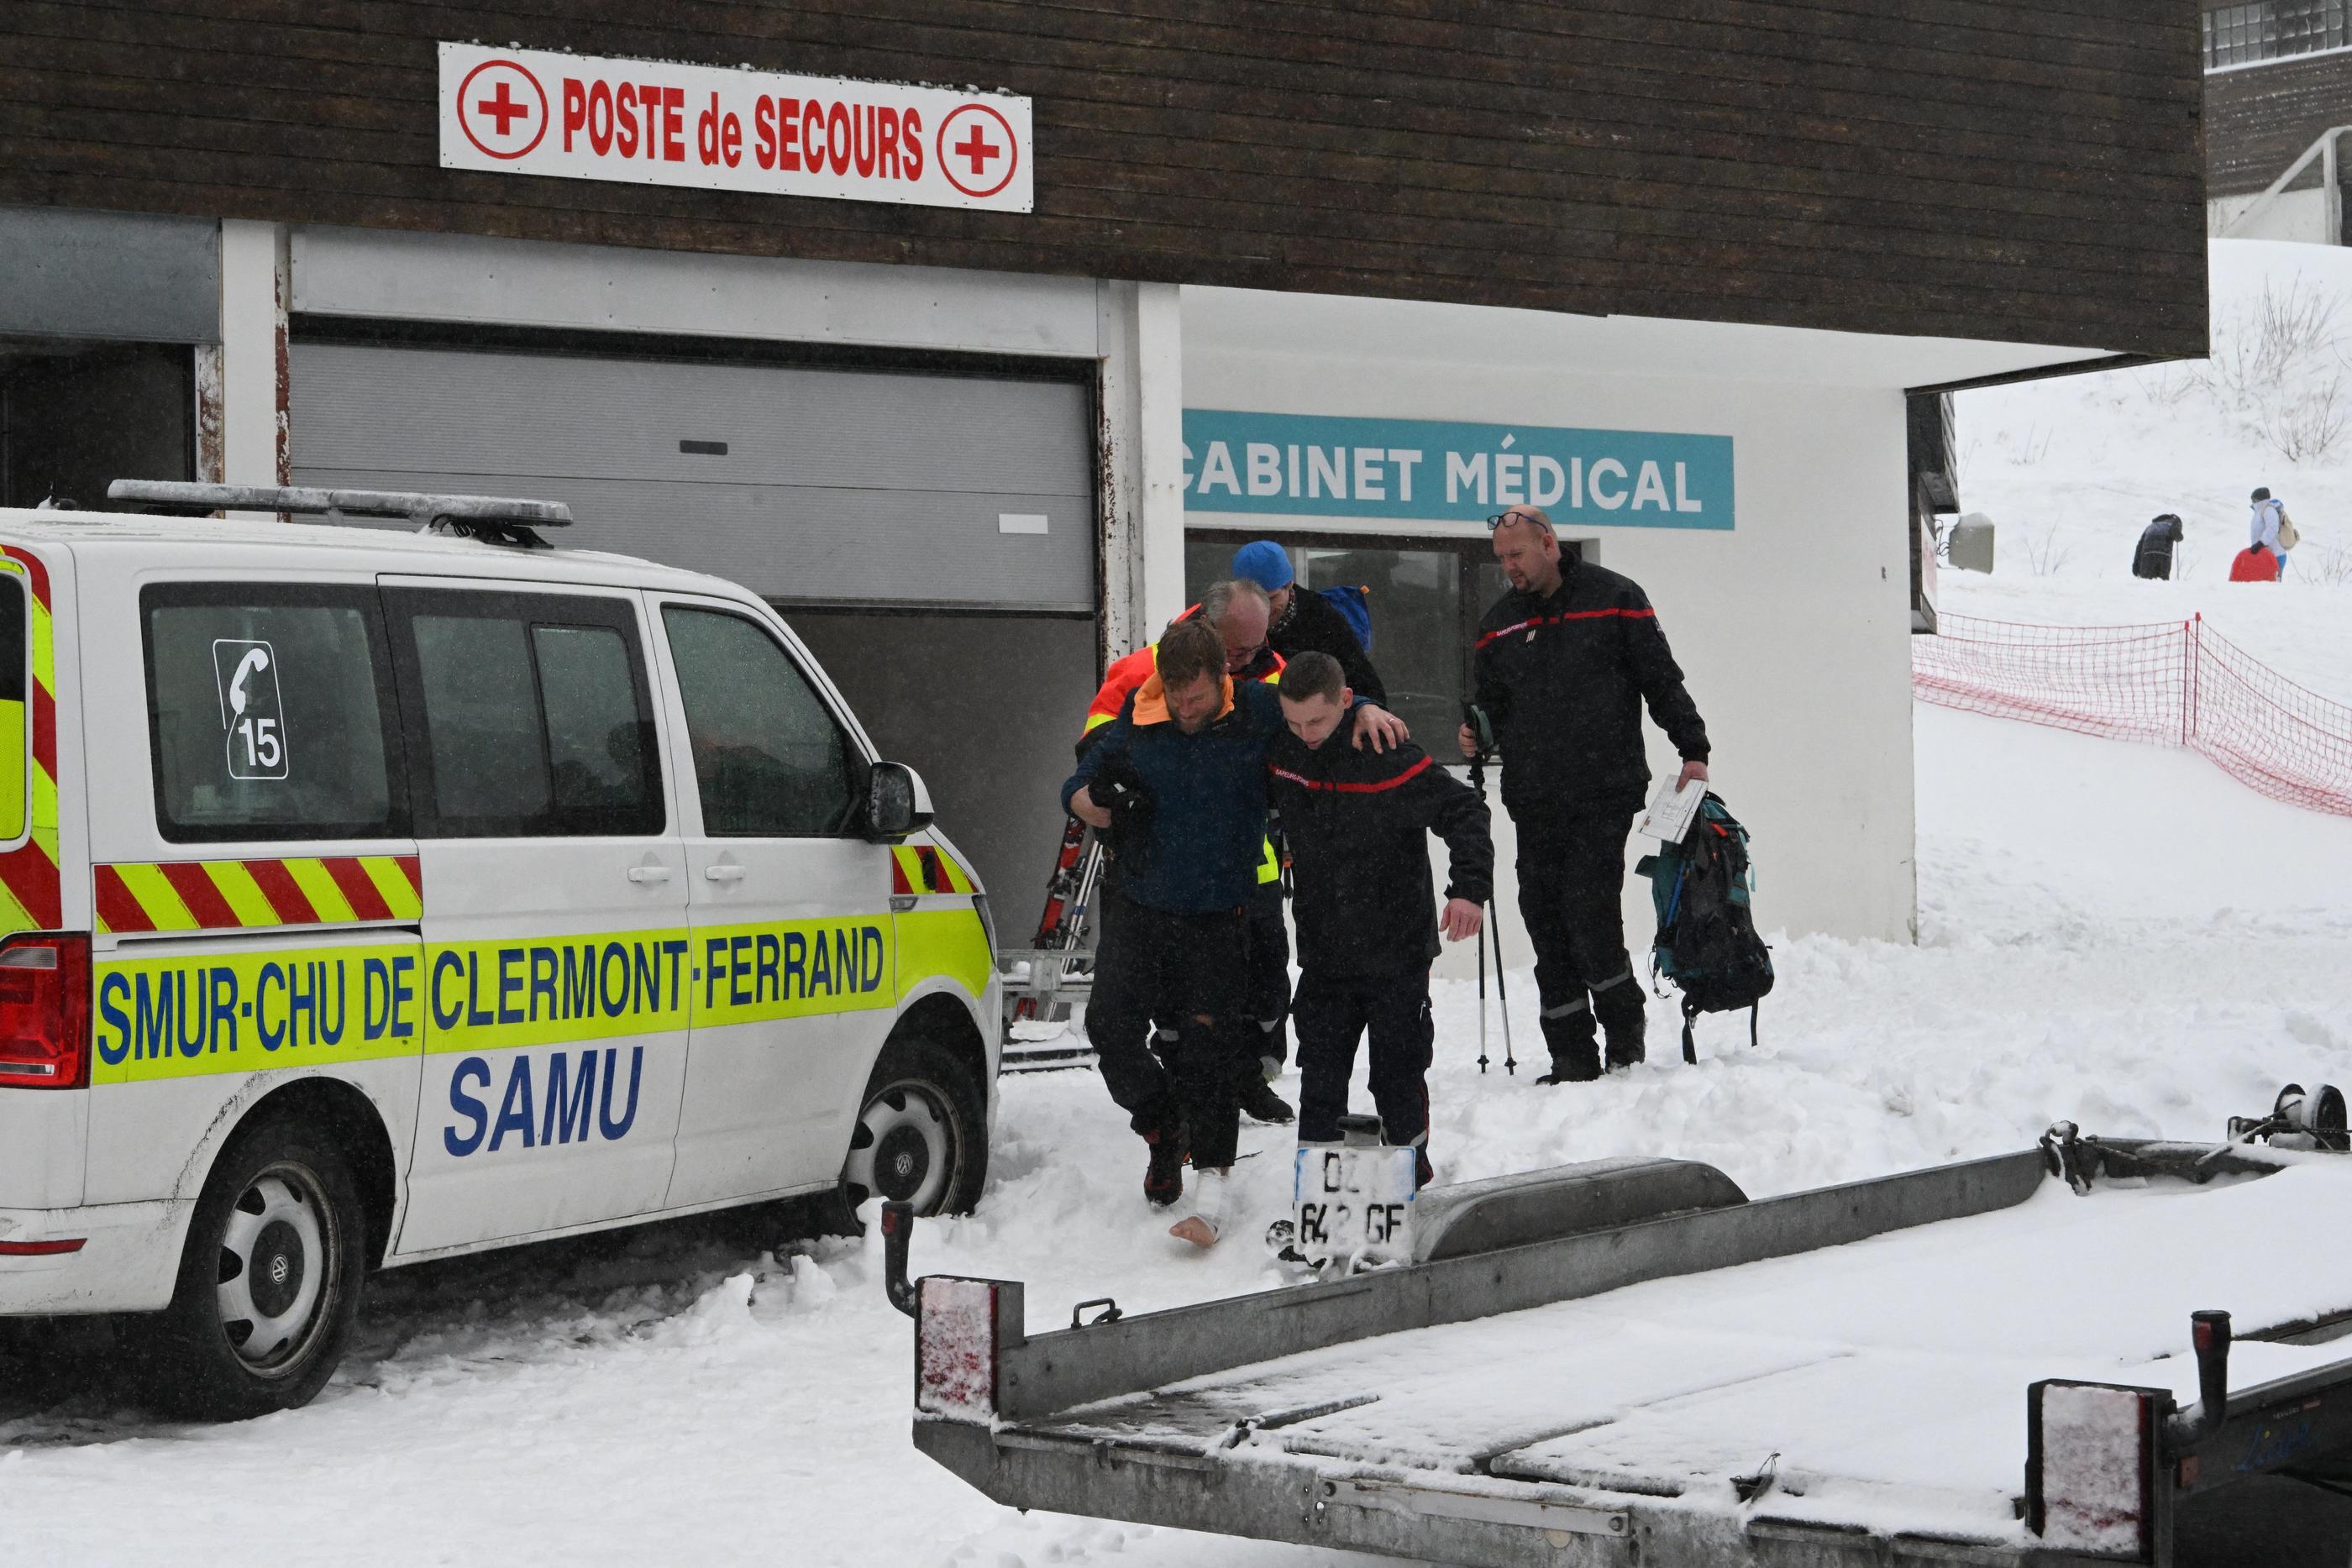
[[270, 1281], [921, 1134]]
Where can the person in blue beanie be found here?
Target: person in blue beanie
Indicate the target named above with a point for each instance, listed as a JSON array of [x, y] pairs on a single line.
[[1303, 621]]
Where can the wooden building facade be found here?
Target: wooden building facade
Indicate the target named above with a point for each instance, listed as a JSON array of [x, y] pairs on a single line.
[[1964, 168], [1695, 254]]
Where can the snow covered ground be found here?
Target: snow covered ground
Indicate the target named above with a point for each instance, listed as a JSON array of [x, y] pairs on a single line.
[[2112, 933]]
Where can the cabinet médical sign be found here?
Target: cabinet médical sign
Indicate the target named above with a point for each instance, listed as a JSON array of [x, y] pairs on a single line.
[[1323, 466]]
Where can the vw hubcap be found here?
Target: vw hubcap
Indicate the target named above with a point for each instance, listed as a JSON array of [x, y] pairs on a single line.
[[273, 1263], [903, 1149]]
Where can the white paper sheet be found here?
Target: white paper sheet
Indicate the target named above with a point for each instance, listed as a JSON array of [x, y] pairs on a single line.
[[1673, 811]]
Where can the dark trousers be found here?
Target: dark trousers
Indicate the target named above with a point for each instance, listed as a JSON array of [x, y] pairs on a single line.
[[1571, 888], [1331, 1013], [1154, 963], [1258, 1034]]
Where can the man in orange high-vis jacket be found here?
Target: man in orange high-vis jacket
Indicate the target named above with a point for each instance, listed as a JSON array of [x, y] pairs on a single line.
[[1242, 614]]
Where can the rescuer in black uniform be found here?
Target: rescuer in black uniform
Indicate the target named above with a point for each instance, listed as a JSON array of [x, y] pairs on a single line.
[[1357, 825], [1564, 662]]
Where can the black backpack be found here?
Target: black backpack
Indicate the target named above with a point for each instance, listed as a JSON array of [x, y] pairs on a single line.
[[1707, 941]]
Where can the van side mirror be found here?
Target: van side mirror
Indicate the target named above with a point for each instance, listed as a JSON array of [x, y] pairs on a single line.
[[896, 803]]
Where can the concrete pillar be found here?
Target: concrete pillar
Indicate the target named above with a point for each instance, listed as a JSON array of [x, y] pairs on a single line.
[[1141, 442], [1160, 353], [252, 373]]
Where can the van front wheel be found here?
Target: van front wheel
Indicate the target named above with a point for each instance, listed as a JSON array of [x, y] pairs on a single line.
[[270, 1281], [921, 1134]]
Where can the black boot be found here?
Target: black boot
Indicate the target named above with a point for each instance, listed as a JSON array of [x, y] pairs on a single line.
[[1163, 1178], [1624, 1018], [1261, 1103], [1258, 1101], [1575, 1054], [1625, 1047]]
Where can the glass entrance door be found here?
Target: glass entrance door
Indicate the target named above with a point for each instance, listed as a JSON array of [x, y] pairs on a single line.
[[1425, 597]]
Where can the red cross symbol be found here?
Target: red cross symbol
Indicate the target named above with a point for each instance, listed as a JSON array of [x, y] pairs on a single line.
[[502, 107], [967, 135], [976, 148], [489, 108]]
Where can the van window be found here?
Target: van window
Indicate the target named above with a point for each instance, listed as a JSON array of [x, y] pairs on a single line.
[[481, 717], [530, 713], [16, 714], [770, 759], [266, 711]]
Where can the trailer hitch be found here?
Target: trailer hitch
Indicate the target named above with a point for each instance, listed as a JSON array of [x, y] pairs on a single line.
[[2073, 1159], [2210, 1332], [897, 1234]]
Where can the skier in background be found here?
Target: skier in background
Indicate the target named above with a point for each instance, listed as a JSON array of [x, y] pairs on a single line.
[[2152, 558], [2268, 518]]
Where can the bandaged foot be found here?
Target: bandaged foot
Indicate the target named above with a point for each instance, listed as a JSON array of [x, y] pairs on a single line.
[[1207, 1221]]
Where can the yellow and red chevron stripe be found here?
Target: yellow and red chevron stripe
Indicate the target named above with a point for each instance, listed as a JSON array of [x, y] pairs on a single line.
[[923, 868], [225, 894], [30, 895]]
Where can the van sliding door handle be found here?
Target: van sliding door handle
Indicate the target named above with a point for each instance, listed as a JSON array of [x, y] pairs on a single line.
[[641, 873], [723, 873]]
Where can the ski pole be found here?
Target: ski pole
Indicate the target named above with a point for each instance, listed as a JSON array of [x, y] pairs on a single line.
[[1482, 741], [1502, 988], [1481, 1003]]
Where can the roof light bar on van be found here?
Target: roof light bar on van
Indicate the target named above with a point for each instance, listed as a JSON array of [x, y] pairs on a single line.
[[499, 519]]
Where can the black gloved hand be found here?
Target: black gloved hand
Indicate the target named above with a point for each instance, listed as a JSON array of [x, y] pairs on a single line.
[[1120, 790]]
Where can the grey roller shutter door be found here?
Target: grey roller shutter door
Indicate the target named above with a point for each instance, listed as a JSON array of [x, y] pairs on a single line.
[[835, 485]]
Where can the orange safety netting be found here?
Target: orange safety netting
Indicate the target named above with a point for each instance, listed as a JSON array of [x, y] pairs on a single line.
[[2174, 683]]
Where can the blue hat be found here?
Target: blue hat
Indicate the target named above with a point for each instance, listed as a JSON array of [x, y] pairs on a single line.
[[1263, 563]]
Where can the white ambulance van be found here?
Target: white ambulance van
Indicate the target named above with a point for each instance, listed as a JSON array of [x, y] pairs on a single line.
[[372, 895]]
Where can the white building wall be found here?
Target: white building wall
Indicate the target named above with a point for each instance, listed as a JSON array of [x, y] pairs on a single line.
[[2298, 215], [1792, 628]]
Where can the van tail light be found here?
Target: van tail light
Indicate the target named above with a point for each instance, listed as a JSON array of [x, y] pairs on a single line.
[[45, 1012], [2091, 1467], [961, 1328]]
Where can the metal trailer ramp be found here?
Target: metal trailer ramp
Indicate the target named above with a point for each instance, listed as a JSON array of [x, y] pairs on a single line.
[[1838, 1377]]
